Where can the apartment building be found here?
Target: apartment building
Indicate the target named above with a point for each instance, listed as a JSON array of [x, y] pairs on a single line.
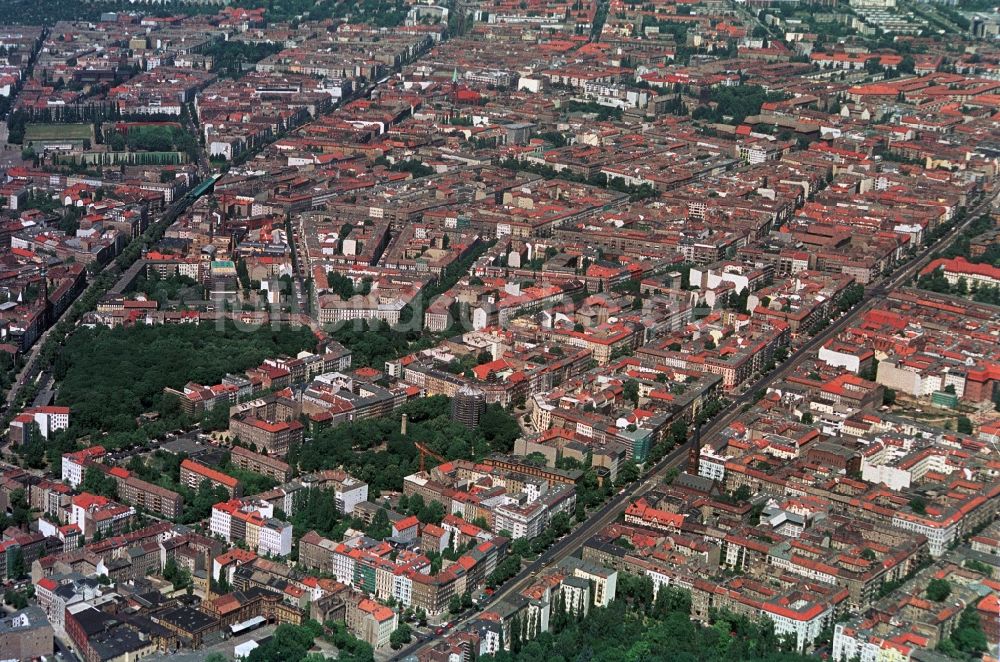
[[46, 420], [523, 520], [317, 552], [74, 464], [193, 473], [150, 497], [99, 516], [370, 621], [247, 460], [348, 490], [272, 436], [254, 524]]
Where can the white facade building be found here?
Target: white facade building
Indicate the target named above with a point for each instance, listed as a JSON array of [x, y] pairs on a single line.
[[803, 619], [523, 521], [275, 538]]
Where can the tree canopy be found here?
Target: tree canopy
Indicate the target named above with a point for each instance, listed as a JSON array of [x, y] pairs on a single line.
[[722, 103], [638, 627], [375, 343], [290, 643], [938, 590], [110, 376], [231, 55], [375, 451], [967, 639], [97, 482]]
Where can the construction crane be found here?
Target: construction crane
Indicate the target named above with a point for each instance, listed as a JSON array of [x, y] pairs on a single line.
[[424, 451]]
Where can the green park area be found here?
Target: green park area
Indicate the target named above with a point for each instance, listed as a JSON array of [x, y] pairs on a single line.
[[108, 377]]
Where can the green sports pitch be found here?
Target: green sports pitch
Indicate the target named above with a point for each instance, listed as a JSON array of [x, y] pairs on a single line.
[[42, 132]]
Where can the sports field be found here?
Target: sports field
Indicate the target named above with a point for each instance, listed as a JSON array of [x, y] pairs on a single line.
[[58, 132]]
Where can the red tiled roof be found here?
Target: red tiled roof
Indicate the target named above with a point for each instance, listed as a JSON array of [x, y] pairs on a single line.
[[210, 473]]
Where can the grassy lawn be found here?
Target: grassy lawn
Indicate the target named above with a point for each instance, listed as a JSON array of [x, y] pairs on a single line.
[[58, 131]]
